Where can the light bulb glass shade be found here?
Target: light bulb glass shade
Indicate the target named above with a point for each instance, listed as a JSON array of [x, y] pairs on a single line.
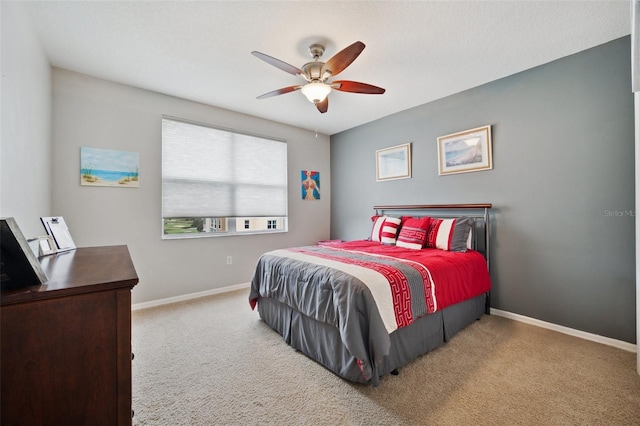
[[316, 91]]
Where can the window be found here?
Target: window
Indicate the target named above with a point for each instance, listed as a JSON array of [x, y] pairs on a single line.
[[221, 182]]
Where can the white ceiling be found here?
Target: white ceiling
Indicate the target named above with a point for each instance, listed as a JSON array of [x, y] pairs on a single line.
[[418, 51]]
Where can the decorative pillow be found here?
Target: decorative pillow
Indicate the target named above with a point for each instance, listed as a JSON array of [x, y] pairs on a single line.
[[413, 233], [449, 234], [389, 230], [378, 221]]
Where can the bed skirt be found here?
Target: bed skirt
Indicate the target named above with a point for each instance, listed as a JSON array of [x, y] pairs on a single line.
[[322, 343]]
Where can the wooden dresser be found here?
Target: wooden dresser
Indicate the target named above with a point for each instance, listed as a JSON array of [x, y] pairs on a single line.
[[66, 345]]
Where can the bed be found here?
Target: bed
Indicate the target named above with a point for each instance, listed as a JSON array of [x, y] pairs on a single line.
[[364, 308]]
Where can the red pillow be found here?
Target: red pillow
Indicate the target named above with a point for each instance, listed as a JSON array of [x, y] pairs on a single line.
[[413, 234], [389, 230]]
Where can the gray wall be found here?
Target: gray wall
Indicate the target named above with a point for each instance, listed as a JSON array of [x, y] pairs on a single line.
[[25, 147], [89, 112], [562, 184]]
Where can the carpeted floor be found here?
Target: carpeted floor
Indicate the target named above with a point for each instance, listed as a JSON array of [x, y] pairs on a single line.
[[212, 361]]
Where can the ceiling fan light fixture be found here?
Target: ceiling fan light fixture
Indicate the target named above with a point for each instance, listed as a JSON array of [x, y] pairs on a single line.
[[317, 75], [316, 91]]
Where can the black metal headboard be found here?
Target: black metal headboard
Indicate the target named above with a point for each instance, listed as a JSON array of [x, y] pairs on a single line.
[[478, 214]]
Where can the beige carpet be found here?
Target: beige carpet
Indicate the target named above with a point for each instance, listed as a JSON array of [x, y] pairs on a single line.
[[213, 362]]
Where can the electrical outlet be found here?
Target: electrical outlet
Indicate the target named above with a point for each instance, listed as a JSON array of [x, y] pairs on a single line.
[[229, 260]]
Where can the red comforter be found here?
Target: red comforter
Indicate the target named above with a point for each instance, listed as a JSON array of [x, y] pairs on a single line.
[[455, 276]]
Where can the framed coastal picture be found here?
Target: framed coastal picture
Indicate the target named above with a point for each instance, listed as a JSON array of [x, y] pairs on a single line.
[[393, 162], [467, 151], [105, 167]]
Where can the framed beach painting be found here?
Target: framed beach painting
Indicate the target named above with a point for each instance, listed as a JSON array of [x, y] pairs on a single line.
[[105, 167], [467, 151], [393, 162]]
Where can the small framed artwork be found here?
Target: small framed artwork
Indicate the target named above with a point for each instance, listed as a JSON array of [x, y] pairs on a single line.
[[393, 162], [105, 167], [468, 151], [310, 185], [59, 232]]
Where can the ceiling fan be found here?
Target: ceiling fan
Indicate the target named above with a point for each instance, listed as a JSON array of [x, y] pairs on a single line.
[[318, 75]]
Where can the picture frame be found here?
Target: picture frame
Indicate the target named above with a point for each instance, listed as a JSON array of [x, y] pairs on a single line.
[[19, 266], [47, 245], [310, 184], [393, 163], [466, 151], [57, 230], [108, 167], [43, 245]]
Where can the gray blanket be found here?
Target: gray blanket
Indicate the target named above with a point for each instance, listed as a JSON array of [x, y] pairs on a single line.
[[331, 296]]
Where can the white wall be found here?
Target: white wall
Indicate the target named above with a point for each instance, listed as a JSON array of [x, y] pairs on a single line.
[[89, 112], [25, 147]]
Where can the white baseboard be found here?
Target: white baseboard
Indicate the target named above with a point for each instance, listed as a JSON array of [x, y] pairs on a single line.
[[183, 297], [517, 317], [566, 330]]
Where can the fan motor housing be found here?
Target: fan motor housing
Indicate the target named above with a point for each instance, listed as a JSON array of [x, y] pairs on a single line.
[[313, 70]]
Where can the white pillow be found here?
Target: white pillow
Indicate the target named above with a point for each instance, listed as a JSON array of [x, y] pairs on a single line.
[[378, 221]]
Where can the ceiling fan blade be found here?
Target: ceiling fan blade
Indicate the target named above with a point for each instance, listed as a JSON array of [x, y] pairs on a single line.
[[280, 92], [278, 63], [355, 87], [343, 59], [323, 106]]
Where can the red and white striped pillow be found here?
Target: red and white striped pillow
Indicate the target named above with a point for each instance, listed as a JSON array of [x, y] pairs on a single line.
[[389, 230], [413, 234], [449, 234], [385, 229]]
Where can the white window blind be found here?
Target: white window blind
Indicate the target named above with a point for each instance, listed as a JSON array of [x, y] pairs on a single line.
[[212, 172]]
